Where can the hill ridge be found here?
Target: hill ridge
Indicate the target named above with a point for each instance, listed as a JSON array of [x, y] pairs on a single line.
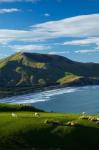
[[24, 71]]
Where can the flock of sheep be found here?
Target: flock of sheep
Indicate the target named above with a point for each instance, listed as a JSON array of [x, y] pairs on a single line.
[[88, 117], [84, 116]]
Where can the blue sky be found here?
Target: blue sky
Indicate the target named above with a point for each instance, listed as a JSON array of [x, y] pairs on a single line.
[[64, 27]]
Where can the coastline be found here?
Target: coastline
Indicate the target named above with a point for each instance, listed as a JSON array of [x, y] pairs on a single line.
[[16, 92]]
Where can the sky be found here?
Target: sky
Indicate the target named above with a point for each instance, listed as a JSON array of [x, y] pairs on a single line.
[[63, 27]]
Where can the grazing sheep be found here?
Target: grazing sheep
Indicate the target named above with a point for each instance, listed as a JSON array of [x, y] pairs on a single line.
[[68, 123], [14, 115], [72, 124], [36, 114], [84, 117], [97, 119], [88, 118], [93, 119]]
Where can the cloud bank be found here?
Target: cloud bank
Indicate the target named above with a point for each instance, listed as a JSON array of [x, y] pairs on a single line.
[[86, 26], [18, 48]]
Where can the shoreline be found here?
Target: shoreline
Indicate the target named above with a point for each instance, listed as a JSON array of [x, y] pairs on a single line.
[[31, 90]]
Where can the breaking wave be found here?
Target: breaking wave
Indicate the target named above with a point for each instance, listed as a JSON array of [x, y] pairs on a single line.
[[43, 96]]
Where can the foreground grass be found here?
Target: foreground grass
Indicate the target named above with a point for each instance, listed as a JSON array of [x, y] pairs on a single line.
[[26, 132]]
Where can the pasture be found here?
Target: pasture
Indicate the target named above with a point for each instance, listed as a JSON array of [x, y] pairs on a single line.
[[29, 132]]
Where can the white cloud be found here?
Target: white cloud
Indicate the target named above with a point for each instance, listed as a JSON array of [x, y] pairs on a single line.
[[87, 51], [85, 26], [59, 53], [86, 41], [11, 10], [47, 15], [80, 26], [18, 48]]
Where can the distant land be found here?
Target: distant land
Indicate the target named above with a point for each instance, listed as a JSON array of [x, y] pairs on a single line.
[[27, 72]]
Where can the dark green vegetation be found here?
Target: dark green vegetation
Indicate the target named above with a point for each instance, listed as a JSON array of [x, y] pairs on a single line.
[[18, 107], [27, 72], [27, 132]]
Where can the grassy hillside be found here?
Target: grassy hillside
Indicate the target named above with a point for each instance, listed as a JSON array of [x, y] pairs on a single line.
[[27, 72], [68, 78], [27, 132]]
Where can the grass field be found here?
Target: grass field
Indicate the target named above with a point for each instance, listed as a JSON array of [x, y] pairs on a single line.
[[27, 132]]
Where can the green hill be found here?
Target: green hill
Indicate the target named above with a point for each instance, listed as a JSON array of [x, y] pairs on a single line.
[[25, 72]]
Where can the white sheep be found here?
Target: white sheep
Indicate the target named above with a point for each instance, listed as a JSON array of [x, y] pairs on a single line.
[[83, 113], [14, 115], [36, 114], [97, 119]]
